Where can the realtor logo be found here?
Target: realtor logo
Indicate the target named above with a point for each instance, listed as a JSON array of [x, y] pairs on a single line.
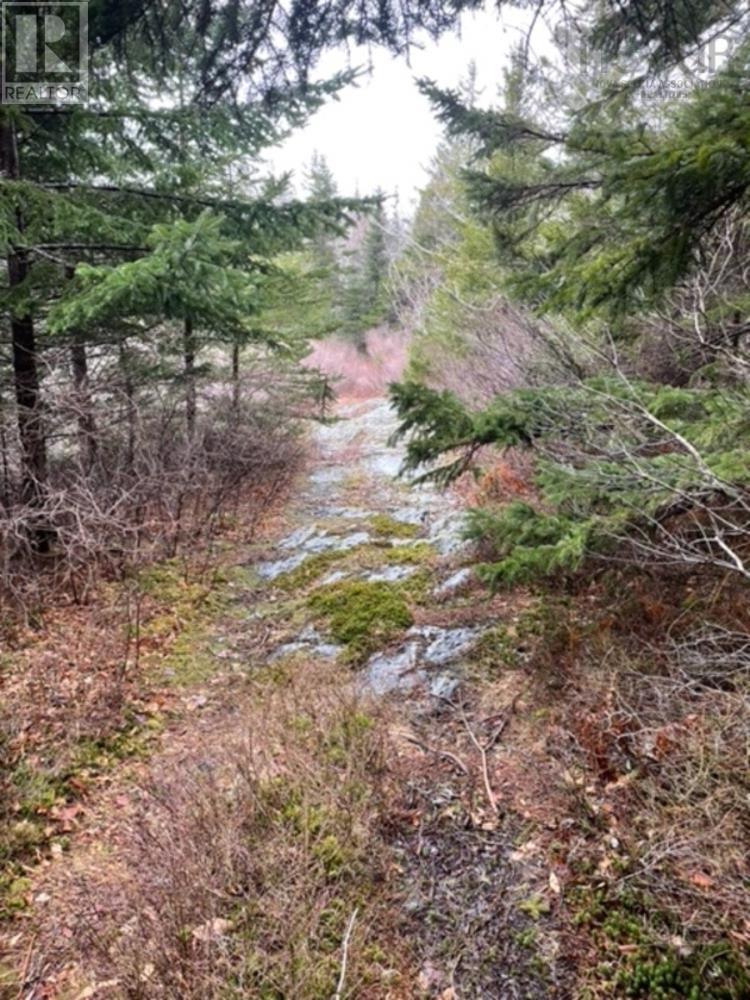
[[45, 53]]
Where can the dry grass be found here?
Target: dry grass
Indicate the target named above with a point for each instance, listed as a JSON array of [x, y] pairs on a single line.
[[237, 874], [86, 688], [651, 738]]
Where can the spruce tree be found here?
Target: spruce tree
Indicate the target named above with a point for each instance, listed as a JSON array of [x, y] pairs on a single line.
[[611, 215], [88, 184]]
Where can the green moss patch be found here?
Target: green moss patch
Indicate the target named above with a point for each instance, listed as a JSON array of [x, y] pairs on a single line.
[[632, 934], [362, 616], [413, 555], [308, 571], [181, 633], [386, 526]]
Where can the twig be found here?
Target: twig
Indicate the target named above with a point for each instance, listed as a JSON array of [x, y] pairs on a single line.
[[456, 761], [25, 968], [344, 955], [485, 769]]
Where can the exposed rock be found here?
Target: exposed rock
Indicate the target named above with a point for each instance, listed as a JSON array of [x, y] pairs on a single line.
[[411, 515], [450, 645], [328, 475], [387, 672], [314, 539], [390, 574], [324, 542], [444, 686], [270, 570], [385, 463], [444, 645], [310, 642], [454, 583], [446, 533], [298, 538]]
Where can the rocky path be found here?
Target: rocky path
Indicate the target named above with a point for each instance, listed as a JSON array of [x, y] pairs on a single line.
[[354, 517], [473, 885], [371, 576]]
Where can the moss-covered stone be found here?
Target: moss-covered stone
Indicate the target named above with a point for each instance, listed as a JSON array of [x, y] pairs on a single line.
[[362, 615], [385, 526]]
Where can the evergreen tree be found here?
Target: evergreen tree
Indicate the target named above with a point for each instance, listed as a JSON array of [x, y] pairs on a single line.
[[365, 293], [612, 219], [88, 184]]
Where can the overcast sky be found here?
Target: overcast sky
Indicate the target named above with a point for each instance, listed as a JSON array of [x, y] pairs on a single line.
[[382, 132]]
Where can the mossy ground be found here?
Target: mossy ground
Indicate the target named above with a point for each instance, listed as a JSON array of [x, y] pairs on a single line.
[[386, 526], [180, 635], [43, 790], [175, 648], [636, 958], [361, 615]]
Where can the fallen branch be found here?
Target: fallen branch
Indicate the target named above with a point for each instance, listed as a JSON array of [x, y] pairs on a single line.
[[456, 761], [345, 955], [485, 767]]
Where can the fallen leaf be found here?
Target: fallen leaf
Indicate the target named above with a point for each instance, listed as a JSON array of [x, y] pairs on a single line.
[[66, 815], [212, 929], [554, 883], [92, 991], [702, 880]]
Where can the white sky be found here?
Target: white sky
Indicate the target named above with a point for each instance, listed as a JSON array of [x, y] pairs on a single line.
[[382, 131]]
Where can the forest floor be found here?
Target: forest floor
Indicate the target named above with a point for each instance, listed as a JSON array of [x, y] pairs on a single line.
[[359, 789]]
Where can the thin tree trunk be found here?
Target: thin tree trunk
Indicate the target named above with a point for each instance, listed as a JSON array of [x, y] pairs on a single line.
[[25, 362], [236, 376], [7, 492], [188, 346], [88, 444], [130, 408], [87, 437]]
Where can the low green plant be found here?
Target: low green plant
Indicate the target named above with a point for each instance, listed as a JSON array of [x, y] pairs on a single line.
[[388, 527], [362, 615], [308, 571]]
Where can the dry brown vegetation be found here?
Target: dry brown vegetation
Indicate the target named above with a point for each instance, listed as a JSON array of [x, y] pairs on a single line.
[[236, 866], [629, 759], [92, 675], [362, 372], [141, 489], [573, 822]]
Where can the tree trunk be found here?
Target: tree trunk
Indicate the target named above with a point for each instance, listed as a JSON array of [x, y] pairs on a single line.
[[236, 376], [25, 362], [7, 492], [188, 346], [88, 444], [130, 408]]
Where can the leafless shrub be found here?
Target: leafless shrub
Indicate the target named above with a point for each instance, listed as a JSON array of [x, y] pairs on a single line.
[[149, 490], [700, 331]]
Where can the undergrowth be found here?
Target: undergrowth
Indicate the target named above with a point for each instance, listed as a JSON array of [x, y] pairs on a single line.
[[246, 871], [85, 730]]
